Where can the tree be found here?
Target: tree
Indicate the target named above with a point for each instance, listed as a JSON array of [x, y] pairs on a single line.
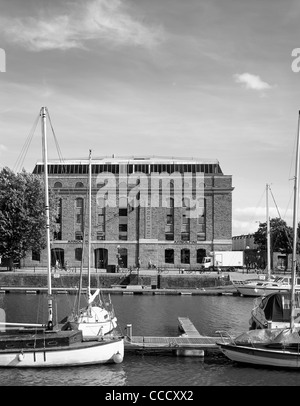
[[22, 214], [281, 236]]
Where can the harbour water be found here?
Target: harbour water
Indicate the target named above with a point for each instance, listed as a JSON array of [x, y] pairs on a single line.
[[150, 315]]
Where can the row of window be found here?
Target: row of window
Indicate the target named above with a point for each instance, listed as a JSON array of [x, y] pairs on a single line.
[[79, 204], [128, 168], [36, 256], [123, 223], [169, 255], [123, 235], [184, 256]]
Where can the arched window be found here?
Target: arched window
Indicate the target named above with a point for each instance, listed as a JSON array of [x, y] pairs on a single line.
[[123, 186], [58, 185], [79, 184], [36, 255], [201, 253], [79, 203], [186, 202], [170, 203], [185, 256], [78, 254], [169, 256]]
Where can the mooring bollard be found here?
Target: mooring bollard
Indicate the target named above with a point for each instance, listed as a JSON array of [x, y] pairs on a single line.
[[129, 331]]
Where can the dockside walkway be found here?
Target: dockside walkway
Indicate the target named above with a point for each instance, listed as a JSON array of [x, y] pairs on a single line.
[[146, 283]]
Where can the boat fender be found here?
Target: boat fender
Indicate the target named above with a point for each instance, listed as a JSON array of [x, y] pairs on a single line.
[[117, 358], [21, 356], [50, 325]]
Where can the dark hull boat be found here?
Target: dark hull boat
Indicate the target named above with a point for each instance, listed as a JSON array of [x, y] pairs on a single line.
[[273, 311], [267, 347]]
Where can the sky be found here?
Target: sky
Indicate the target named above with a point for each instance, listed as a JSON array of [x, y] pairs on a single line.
[[212, 79]]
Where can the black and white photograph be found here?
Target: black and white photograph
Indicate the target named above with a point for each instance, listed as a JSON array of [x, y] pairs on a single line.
[[149, 195]]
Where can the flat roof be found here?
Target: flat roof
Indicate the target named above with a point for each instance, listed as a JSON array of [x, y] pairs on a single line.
[[131, 164], [133, 160]]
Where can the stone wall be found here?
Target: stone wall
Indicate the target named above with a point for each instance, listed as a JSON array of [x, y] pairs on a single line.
[[36, 280]]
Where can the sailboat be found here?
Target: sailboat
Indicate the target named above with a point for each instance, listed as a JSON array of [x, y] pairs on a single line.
[[276, 347], [268, 285], [48, 345], [273, 311], [94, 320]]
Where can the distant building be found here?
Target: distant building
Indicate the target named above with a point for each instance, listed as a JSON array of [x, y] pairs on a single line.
[[256, 258], [253, 257], [243, 242], [163, 229]]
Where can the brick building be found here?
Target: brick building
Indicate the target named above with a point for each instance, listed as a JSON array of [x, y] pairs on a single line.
[[243, 242], [144, 210]]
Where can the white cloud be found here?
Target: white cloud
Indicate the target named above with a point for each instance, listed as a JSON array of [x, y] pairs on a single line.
[[94, 20], [257, 211], [246, 220], [243, 227], [251, 81]]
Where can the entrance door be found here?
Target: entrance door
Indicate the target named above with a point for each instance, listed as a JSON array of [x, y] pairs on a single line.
[[201, 253], [123, 258], [101, 258], [57, 254]]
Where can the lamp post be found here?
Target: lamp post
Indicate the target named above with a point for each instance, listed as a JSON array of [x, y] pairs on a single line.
[[138, 274], [118, 258], [247, 258]]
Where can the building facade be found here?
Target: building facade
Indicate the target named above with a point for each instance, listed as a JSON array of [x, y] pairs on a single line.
[[145, 212], [243, 242]]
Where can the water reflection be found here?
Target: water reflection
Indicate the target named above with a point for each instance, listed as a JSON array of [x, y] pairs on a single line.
[[100, 375]]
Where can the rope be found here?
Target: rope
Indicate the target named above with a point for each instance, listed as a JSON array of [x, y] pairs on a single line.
[[20, 160], [275, 202], [55, 138], [285, 230]]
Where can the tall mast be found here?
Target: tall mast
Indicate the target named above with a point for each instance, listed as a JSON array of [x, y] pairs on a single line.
[[268, 235], [89, 226], [47, 213], [295, 220]]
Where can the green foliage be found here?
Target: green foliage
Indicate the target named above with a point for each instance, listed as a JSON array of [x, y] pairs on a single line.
[[281, 236], [22, 213]]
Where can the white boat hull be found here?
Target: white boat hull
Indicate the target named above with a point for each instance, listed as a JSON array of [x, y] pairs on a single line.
[[249, 289], [255, 291], [259, 356], [94, 329], [96, 321], [82, 353]]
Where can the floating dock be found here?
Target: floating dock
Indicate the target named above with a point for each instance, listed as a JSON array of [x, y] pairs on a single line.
[[129, 290], [187, 327], [191, 343]]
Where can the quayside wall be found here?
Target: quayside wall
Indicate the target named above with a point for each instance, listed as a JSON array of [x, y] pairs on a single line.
[[107, 280]]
